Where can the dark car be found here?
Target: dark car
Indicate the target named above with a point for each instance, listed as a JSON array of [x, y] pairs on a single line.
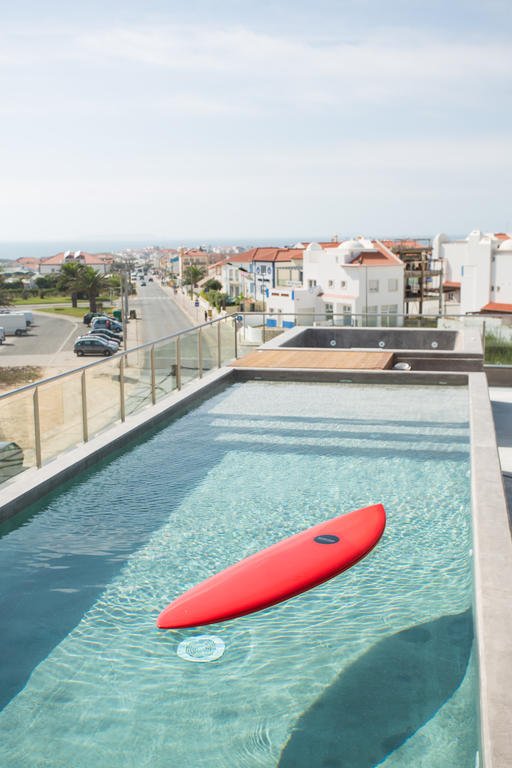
[[143, 282], [107, 334], [94, 345], [11, 460]]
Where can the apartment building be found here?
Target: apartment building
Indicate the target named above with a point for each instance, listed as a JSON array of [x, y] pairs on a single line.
[[354, 277], [102, 263], [477, 270]]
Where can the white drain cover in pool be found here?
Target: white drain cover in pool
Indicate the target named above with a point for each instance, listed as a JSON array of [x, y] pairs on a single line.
[[201, 648]]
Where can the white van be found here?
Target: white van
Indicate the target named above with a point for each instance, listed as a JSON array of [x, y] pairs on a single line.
[[14, 323], [29, 317]]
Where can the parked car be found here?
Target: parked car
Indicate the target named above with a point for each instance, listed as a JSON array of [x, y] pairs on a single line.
[[91, 315], [150, 279], [2, 335], [143, 282], [110, 335], [94, 345], [93, 335], [11, 460], [107, 322]]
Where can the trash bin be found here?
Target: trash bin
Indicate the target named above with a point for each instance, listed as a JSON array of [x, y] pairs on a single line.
[[117, 314], [133, 314]]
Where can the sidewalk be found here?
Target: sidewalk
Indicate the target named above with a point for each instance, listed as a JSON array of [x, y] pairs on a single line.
[[501, 402]]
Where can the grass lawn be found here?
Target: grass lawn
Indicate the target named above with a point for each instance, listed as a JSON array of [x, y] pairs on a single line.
[[56, 300], [72, 311]]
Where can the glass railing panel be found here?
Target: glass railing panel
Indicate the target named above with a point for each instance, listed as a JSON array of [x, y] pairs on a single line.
[[209, 344], [227, 340], [137, 379], [166, 358], [103, 396], [17, 426], [189, 356], [60, 415]]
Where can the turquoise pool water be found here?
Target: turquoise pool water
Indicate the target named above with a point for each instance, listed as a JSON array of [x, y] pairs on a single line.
[[375, 667]]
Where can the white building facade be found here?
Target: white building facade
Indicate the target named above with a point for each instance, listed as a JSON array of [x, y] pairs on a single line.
[[480, 266], [357, 280]]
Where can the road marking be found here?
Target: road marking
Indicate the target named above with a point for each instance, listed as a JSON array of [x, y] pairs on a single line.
[[73, 330]]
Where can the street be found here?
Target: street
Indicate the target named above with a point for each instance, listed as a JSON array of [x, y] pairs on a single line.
[[158, 313], [49, 343]]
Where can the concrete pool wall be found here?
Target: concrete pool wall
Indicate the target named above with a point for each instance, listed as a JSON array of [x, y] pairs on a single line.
[[491, 535], [421, 348]]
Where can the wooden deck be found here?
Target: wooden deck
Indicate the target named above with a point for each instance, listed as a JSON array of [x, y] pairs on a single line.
[[342, 359]]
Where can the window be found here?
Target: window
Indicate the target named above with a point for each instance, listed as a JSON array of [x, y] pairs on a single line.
[[330, 284], [389, 309], [311, 283], [392, 285], [343, 284], [346, 308], [373, 286]]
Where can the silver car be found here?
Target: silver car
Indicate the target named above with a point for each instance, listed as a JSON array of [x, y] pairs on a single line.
[[94, 345]]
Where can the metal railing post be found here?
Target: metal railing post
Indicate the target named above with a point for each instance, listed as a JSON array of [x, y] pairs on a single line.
[[178, 362], [236, 338], [121, 389], [153, 383], [219, 358], [85, 427], [264, 333], [200, 352], [37, 429], [483, 338]]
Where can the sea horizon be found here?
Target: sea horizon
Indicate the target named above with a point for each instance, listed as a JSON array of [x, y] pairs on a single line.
[[11, 250]]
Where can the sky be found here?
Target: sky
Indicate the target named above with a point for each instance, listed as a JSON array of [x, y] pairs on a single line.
[[242, 119]]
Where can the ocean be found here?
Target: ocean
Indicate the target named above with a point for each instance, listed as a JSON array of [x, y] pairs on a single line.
[[42, 248]]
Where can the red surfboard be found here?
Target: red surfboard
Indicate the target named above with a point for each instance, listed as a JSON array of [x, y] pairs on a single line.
[[279, 572]]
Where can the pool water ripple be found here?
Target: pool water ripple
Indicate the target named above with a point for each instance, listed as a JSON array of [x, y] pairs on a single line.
[[195, 498]]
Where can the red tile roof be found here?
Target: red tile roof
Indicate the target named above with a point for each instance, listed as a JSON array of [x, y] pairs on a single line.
[[404, 243], [451, 284], [85, 258], [267, 254], [495, 307], [27, 261], [502, 236], [375, 259]]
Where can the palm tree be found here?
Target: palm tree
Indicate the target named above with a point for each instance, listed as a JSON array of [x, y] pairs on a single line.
[[192, 276], [67, 275], [91, 283]]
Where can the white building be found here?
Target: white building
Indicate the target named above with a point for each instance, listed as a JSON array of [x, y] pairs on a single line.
[[477, 269], [101, 262], [357, 277]]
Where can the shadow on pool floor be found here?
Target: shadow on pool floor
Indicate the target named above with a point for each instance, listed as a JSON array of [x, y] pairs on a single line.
[[383, 697]]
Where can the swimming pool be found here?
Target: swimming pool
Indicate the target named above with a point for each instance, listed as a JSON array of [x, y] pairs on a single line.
[[374, 666]]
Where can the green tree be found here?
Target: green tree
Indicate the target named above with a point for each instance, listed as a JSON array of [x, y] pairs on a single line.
[[212, 285], [192, 276], [67, 276], [91, 283], [4, 299]]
